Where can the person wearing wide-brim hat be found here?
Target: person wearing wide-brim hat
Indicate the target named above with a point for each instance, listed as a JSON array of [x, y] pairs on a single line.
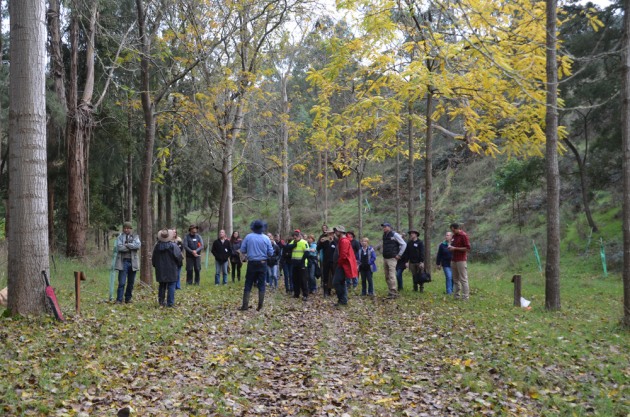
[[326, 246], [193, 246], [258, 249], [167, 258], [414, 255]]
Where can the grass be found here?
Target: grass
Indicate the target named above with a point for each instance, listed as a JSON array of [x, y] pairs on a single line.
[[421, 353]]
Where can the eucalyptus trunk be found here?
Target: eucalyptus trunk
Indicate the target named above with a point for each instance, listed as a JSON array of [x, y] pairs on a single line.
[[552, 266], [625, 135], [79, 131], [28, 252], [285, 213], [148, 112], [428, 183], [411, 193]]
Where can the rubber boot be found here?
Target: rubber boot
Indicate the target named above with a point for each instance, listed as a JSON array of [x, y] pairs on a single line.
[[245, 305], [261, 300]]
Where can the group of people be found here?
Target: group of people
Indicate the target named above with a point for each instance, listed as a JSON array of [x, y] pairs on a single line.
[[336, 256]]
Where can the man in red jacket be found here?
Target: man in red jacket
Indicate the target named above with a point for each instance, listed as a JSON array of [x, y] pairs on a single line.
[[346, 263], [459, 247]]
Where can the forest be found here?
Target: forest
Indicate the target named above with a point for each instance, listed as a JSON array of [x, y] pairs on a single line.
[[508, 117]]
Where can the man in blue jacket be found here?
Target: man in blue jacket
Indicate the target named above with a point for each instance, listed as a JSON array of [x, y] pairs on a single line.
[[257, 247]]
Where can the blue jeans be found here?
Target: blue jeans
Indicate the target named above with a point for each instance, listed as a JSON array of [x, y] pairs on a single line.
[[399, 278], [448, 273], [126, 276], [221, 268], [167, 289], [352, 282], [366, 278], [272, 276], [287, 269], [312, 281], [256, 275], [178, 285], [339, 284]]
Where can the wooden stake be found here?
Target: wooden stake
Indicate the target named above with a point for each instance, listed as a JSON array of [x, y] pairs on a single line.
[[516, 279]]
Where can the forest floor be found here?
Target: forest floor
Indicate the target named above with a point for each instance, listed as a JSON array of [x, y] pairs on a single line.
[[423, 354]]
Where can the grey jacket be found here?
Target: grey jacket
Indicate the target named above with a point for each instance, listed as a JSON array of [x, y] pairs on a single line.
[[132, 247]]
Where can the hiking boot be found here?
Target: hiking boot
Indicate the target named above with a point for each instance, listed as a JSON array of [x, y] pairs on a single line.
[[261, 301], [245, 305]]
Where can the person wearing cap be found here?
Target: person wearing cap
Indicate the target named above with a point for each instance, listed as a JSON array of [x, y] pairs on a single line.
[[167, 258], [193, 245], [346, 262], [221, 250], [127, 262], [299, 250], [393, 249], [327, 246], [459, 247], [414, 254], [258, 249]]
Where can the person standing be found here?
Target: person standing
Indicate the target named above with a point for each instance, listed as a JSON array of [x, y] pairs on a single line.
[[221, 250], [299, 248], [327, 246], [272, 263], [258, 249], [346, 263], [311, 257], [180, 245], [415, 257], [127, 262], [459, 247], [367, 266], [167, 258], [356, 245], [235, 258], [393, 249], [443, 260], [285, 263], [193, 245]]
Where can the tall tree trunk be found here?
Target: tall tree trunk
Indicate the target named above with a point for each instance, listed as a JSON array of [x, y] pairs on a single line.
[[326, 185], [129, 188], [398, 184], [79, 131], [360, 204], [28, 252], [168, 199], [56, 130], [146, 220], [625, 135], [428, 183], [583, 180], [285, 213], [552, 266], [411, 194]]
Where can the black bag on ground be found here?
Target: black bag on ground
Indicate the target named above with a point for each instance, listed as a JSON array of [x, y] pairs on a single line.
[[424, 277]]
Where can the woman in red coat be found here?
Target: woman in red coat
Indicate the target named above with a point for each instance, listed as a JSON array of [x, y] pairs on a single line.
[[346, 263]]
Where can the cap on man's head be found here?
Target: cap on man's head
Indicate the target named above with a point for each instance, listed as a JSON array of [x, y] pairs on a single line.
[[192, 226], [257, 226], [296, 232], [127, 225], [386, 224], [339, 228]]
